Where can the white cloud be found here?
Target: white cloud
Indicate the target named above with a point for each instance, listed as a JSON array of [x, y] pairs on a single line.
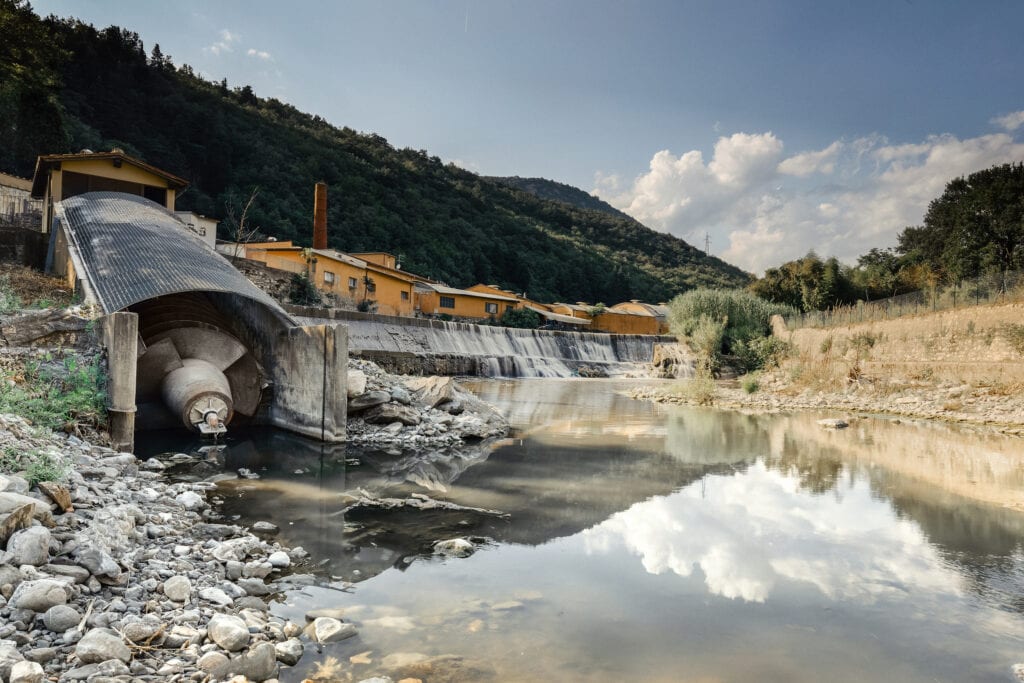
[[841, 200], [1010, 122], [225, 44], [259, 54], [806, 163]]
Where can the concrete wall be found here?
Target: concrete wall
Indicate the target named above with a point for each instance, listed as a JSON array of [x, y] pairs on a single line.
[[22, 246], [310, 371]]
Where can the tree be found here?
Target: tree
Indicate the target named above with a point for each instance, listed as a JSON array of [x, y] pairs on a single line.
[[237, 226]]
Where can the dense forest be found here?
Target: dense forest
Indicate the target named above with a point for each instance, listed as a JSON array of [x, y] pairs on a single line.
[[976, 227], [67, 86]]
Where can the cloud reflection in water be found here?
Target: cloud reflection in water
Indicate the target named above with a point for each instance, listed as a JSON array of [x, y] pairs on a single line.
[[751, 531]]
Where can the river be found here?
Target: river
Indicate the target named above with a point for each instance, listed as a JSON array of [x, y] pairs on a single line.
[[661, 543]]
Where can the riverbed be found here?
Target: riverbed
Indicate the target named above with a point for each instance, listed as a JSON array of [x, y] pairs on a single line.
[[646, 542]]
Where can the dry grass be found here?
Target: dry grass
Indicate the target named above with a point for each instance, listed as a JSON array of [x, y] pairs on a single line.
[[34, 289]]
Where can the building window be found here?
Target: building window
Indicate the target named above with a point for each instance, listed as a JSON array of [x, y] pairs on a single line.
[[509, 307], [447, 302], [352, 283], [405, 296], [328, 277], [491, 308]]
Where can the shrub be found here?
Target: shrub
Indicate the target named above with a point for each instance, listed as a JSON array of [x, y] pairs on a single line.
[[303, 292], [35, 465], [59, 398], [522, 318], [750, 383], [742, 316], [761, 352]]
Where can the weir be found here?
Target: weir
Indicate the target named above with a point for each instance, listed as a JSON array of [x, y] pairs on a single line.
[[420, 346]]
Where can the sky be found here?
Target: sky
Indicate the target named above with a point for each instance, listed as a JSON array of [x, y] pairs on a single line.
[[770, 127]]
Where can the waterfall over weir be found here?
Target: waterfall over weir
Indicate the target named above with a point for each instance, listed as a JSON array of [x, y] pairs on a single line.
[[418, 346]]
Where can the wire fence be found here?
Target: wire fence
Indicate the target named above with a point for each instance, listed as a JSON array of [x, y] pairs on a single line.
[[985, 289]]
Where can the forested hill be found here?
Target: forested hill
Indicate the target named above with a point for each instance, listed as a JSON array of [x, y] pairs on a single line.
[[65, 86], [555, 191]]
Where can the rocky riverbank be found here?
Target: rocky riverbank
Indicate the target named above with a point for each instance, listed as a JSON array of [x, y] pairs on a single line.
[[990, 407]]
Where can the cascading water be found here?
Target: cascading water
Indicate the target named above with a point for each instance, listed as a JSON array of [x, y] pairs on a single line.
[[503, 351]]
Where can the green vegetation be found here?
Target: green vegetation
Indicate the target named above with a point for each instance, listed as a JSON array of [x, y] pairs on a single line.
[[975, 228], [728, 322], [9, 299], [522, 318], [34, 465], [445, 222], [58, 396], [303, 292], [750, 383]]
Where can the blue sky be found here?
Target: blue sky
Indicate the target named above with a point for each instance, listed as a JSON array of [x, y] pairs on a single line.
[[774, 127]]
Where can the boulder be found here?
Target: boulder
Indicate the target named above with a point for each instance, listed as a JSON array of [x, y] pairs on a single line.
[[289, 652], [328, 630], [27, 672], [190, 500], [392, 412], [29, 546], [258, 664], [9, 502], [229, 632], [58, 494], [9, 656], [39, 595], [279, 559], [368, 400], [401, 395], [454, 547], [356, 383], [101, 645], [432, 391], [98, 562], [18, 519]]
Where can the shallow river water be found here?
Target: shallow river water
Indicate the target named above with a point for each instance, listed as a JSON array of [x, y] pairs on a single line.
[[655, 543]]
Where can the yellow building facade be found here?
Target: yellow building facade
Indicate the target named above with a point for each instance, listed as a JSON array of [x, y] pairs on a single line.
[[435, 299], [59, 176]]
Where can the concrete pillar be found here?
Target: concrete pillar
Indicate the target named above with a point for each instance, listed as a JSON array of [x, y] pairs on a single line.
[[121, 339], [310, 369]]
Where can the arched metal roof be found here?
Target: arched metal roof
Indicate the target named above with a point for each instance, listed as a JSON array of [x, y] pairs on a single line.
[[129, 249]]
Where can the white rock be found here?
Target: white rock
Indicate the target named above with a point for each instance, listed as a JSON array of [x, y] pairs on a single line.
[[100, 645], [356, 383], [190, 500], [454, 547], [9, 656], [229, 632], [39, 595], [29, 546], [289, 652], [279, 559], [216, 596], [27, 672], [178, 588], [328, 630]]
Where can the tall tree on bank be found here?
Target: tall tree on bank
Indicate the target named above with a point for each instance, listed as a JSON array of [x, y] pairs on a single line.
[[976, 226]]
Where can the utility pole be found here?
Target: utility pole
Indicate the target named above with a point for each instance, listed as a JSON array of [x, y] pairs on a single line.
[[707, 244]]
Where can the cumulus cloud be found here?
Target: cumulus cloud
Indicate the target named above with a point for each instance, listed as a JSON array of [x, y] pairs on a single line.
[[227, 43], [259, 54], [750, 532], [1010, 122], [762, 208]]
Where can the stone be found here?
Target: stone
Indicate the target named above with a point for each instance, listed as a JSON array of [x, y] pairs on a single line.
[[401, 395], [39, 595], [258, 664], [368, 400], [71, 571], [29, 546], [229, 632], [190, 500], [279, 559], [356, 383], [212, 661], [98, 562], [20, 518], [143, 631], [26, 672], [392, 412], [178, 588], [216, 596], [42, 655], [432, 391], [332, 612], [14, 484], [58, 494], [9, 656], [328, 630], [9, 502], [60, 618], [289, 652], [454, 547], [833, 423], [265, 527], [255, 587], [100, 645]]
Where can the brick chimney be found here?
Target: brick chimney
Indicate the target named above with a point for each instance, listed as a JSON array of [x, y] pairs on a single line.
[[320, 217]]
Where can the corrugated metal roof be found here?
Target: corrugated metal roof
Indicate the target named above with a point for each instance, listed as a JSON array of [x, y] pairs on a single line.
[[129, 249], [341, 257], [441, 289], [558, 317]]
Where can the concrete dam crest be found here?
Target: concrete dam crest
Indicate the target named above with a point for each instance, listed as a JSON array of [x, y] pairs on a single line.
[[420, 346]]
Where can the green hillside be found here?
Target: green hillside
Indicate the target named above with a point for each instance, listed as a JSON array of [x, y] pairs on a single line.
[[101, 89]]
